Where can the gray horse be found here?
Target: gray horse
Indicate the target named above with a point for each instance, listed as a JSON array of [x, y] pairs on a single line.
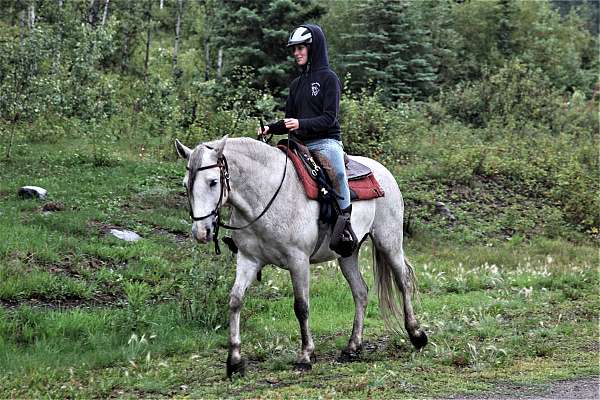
[[244, 174]]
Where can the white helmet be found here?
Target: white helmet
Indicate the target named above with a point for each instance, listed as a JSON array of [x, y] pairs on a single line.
[[300, 35]]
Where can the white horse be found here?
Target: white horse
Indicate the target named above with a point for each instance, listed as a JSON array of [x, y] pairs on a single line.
[[244, 174]]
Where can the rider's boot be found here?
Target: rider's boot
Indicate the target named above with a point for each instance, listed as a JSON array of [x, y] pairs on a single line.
[[343, 239]]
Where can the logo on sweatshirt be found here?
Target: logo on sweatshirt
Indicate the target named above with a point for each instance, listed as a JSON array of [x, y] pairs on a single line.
[[315, 88]]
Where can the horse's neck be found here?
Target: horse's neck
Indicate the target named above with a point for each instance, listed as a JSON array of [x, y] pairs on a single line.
[[255, 173]]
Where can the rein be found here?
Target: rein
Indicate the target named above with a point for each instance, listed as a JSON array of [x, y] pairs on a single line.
[[224, 178]]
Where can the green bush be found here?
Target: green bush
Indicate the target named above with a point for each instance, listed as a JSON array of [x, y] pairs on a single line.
[[204, 296], [367, 125]]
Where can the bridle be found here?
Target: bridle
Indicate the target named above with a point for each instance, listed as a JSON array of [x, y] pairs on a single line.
[[225, 188]]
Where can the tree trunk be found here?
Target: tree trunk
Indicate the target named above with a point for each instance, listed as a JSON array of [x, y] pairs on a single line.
[[162, 4], [21, 28], [31, 14], [220, 64], [60, 3], [177, 35], [148, 33], [125, 52], [206, 58], [105, 15], [93, 12]]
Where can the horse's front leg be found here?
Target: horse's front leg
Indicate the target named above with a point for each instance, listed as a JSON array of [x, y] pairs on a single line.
[[246, 271], [300, 280]]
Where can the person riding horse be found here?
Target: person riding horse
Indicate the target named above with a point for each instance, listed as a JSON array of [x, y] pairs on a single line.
[[311, 117]]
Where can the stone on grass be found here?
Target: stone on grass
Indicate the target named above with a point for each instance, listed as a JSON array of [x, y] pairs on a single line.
[[31, 192], [124, 234], [442, 209]]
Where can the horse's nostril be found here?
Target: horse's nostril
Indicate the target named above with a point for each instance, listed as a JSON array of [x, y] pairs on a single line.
[[207, 232]]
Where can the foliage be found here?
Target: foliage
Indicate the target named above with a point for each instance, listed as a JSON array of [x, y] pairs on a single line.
[[254, 34], [204, 296], [520, 97], [492, 33], [388, 48]]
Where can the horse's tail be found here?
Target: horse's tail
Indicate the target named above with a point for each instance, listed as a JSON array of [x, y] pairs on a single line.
[[389, 289]]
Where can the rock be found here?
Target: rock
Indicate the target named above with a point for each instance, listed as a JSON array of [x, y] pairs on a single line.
[[440, 208], [123, 234], [31, 192]]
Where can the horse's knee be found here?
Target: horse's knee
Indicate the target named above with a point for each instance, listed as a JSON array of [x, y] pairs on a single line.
[[235, 303], [301, 309], [362, 296]]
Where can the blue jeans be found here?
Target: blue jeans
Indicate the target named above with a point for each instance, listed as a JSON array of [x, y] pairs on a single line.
[[330, 154]]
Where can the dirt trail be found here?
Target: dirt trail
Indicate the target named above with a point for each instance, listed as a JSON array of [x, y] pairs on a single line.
[[580, 389]]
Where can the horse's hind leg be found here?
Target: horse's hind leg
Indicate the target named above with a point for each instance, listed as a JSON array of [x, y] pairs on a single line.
[[390, 259], [351, 271]]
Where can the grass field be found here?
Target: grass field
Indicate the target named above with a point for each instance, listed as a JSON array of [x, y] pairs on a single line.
[[83, 314]]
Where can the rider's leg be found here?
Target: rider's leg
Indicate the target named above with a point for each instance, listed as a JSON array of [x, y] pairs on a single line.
[[330, 154]]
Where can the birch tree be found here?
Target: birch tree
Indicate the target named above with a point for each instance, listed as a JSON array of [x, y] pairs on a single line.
[[148, 18], [176, 71], [105, 14]]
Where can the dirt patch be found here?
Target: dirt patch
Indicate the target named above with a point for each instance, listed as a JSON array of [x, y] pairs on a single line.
[[592, 347], [584, 389], [67, 303], [156, 199], [176, 236]]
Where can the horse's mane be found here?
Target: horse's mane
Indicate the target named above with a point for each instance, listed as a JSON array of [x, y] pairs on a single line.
[[252, 148]]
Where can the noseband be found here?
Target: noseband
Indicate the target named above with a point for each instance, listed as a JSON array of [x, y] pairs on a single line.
[[224, 179]]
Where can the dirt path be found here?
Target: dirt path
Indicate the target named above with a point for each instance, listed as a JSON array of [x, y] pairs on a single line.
[[580, 389]]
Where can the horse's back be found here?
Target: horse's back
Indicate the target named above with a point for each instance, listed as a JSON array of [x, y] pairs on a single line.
[[383, 175]]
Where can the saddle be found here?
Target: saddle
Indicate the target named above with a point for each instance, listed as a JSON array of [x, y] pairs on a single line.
[[363, 184]]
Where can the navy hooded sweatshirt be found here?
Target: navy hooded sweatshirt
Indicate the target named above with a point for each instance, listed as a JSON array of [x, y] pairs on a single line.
[[314, 97]]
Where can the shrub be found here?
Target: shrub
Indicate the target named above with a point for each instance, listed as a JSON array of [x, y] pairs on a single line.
[[204, 296], [367, 125], [515, 95]]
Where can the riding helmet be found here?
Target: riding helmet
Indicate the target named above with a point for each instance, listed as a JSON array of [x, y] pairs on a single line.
[[300, 35]]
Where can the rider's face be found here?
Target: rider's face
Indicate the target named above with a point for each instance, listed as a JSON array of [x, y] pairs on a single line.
[[300, 53]]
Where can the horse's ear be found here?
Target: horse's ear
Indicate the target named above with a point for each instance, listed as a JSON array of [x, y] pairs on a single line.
[[220, 146], [182, 150]]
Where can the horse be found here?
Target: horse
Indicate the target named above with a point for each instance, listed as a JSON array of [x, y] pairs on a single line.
[[245, 174]]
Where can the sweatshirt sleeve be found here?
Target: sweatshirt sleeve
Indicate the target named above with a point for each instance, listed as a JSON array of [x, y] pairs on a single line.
[[331, 109], [278, 127]]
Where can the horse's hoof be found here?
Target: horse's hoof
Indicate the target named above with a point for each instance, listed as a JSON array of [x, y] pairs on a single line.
[[349, 355], [303, 366], [419, 340], [239, 368]]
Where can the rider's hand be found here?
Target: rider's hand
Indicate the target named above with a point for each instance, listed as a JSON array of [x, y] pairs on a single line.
[[261, 132], [291, 123]]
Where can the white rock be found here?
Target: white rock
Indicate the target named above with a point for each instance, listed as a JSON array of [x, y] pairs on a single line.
[[32, 191], [126, 235]]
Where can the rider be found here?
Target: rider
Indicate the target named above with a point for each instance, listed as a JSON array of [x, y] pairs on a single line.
[[311, 117]]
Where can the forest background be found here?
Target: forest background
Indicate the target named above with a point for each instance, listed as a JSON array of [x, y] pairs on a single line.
[[489, 71]]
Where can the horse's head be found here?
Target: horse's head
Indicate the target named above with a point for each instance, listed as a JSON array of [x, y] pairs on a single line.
[[206, 182]]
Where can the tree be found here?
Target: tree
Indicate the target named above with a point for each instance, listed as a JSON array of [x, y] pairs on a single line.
[[253, 33], [390, 50], [176, 70]]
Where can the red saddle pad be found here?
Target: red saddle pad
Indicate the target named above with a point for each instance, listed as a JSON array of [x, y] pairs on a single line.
[[365, 187]]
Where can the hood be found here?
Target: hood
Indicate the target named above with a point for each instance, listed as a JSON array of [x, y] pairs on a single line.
[[319, 58]]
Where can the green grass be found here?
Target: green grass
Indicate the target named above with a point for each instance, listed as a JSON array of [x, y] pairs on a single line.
[[83, 314]]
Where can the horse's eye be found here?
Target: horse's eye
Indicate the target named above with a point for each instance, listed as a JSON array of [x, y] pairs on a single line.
[[213, 183]]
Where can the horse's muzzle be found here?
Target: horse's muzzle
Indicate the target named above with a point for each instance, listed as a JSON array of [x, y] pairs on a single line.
[[202, 232]]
